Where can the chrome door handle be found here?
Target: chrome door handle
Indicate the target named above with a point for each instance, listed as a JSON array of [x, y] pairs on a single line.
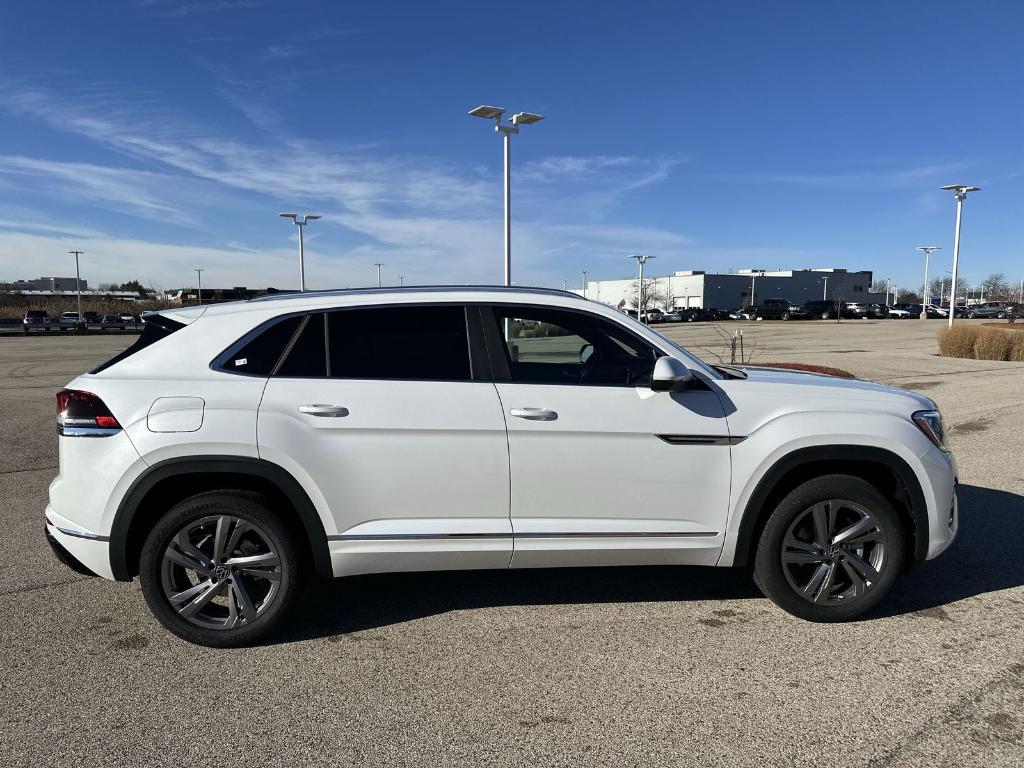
[[319, 409], [533, 414]]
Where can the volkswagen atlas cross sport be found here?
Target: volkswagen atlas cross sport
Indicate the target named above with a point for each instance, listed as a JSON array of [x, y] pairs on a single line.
[[236, 450]]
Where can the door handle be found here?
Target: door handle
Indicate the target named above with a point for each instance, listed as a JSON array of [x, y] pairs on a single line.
[[320, 409], [533, 414]]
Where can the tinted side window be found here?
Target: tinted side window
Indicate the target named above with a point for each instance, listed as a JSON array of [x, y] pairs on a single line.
[[260, 355], [426, 343], [558, 347], [308, 356]]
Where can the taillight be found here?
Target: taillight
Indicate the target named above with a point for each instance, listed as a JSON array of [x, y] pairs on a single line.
[[83, 414]]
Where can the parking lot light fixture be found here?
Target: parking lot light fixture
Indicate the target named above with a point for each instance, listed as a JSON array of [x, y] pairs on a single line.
[[401, 280], [584, 283], [641, 259], [520, 118], [927, 250], [78, 283], [960, 191], [199, 276], [378, 265], [300, 222]]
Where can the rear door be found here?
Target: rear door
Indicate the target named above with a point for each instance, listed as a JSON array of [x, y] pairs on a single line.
[[387, 414], [604, 470]]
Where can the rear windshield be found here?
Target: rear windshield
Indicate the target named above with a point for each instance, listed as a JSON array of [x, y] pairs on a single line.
[[157, 327]]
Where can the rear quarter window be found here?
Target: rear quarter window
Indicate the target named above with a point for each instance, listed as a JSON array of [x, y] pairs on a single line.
[[258, 355]]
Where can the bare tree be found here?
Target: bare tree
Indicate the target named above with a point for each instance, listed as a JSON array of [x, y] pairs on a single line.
[[735, 350], [653, 294]]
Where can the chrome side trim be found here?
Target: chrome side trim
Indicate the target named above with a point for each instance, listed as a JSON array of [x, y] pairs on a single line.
[[555, 535], [81, 534], [700, 439], [87, 431]]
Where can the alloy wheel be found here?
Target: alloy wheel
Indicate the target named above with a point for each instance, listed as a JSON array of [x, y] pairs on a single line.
[[834, 552], [221, 572]]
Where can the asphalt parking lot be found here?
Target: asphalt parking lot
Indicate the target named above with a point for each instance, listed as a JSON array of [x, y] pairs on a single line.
[[653, 666]]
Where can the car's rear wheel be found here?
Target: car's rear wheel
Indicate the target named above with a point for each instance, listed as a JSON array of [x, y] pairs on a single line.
[[1001, 315], [220, 569], [831, 549]]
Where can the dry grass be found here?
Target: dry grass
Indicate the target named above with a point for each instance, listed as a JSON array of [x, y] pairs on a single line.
[[1017, 348], [14, 307], [958, 341], [992, 345], [979, 343]]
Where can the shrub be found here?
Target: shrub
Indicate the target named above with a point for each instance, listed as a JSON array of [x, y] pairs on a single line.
[[958, 341], [992, 345]]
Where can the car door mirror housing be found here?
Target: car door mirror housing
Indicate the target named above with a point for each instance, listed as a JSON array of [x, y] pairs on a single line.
[[670, 375]]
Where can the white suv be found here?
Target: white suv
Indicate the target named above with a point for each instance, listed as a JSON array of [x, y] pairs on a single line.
[[236, 449]]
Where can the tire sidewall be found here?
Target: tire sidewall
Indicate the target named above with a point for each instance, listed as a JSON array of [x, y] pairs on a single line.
[[768, 568], [246, 506]]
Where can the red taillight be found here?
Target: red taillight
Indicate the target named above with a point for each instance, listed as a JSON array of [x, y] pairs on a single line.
[[83, 414]]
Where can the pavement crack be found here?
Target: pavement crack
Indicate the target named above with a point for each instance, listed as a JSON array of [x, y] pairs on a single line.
[[37, 587]]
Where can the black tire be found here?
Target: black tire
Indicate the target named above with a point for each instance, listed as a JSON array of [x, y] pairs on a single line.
[[970, 315], [786, 316], [826, 316], [253, 509], [770, 574], [1001, 315]]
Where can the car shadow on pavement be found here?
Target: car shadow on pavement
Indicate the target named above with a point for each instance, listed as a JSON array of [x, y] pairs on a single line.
[[365, 602], [983, 559]]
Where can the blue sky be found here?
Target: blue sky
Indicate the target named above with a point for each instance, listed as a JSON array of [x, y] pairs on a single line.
[[161, 135]]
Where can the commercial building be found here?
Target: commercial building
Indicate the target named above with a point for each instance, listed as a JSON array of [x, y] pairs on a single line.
[[695, 288], [46, 284]]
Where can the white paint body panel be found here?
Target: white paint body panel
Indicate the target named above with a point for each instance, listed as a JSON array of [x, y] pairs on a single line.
[[175, 414], [409, 458]]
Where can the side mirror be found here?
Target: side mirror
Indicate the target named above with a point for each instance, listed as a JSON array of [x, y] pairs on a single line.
[[585, 352], [670, 375]]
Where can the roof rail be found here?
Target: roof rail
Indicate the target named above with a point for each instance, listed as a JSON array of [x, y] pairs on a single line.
[[416, 289]]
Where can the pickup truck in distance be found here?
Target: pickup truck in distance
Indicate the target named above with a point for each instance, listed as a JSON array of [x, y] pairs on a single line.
[[777, 309]]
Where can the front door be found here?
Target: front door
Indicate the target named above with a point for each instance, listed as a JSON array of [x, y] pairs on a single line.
[[398, 436], [604, 470]]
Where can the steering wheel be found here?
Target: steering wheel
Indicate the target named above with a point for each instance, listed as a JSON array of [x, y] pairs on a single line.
[[597, 366]]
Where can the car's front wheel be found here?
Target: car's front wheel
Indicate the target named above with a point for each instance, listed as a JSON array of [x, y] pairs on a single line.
[[220, 569], [831, 549]]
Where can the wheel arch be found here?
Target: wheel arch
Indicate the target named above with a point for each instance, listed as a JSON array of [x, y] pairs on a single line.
[[881, 467], [172, 480]]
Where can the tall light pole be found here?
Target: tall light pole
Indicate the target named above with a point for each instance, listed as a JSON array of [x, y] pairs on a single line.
[[300, 222], [584, 283], [520, 118], [199, 272], [927, 250], [960, 191], [78, 283], [378, 265], [824, 291], [401, 280], [641, 259]]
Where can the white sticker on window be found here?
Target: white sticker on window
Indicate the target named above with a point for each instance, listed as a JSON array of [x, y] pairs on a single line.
[[241, 361]]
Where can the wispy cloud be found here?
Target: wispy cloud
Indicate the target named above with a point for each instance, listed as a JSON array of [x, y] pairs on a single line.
[[889, 178], [172, 9]]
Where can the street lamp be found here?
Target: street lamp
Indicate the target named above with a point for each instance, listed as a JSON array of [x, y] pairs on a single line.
[[927, 250], [640, 307], [378, 265], [584, 283], [78, 284], [401, 280], [300, 222], [824, 291], [960, 191], [520, 118], [199, 273]]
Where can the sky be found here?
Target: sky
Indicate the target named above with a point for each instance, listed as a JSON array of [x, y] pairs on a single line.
[[159, 136]]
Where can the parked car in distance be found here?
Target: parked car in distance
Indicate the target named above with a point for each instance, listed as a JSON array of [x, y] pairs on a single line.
[[672, 316], [741, 313], [857, 309], [71, 321], [933, 312], [777, 309], [35, 320], [108, 322], [989, 309], [92, 318], [898, 313], [129, 318], [822, 309], [267, 453]]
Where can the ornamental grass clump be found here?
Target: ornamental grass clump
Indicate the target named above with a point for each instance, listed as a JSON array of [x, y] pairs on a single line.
[[958, 341], [992, 344]]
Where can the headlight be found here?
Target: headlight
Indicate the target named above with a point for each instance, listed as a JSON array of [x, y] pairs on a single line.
[[930, 422]]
